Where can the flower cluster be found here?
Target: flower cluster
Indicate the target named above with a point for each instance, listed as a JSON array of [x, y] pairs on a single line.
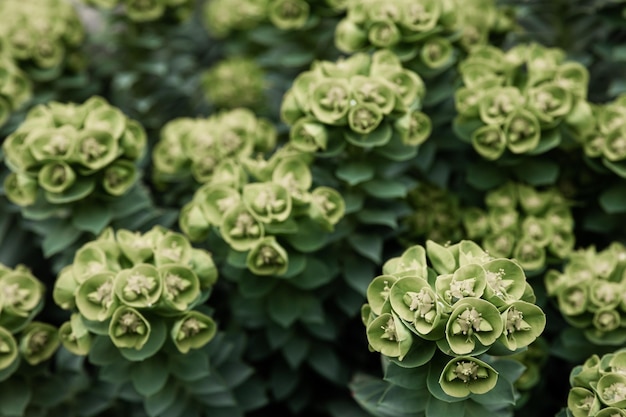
[[430, 34], [234, 82], [15, 87], [209, 150], [43, 36], [436, 215], [460, 307], [222, 17], [598, 387], [589, 293], [148, 10], [252, 215], [21, 299], [523, 222], [66, 153], [519, 100], [139, 290], [605, 136], [366, 101]]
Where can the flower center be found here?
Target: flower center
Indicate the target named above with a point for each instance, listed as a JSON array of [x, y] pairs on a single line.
[[174, 285], [103, 295]]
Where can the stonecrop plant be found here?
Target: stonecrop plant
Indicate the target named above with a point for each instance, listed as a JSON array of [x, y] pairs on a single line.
[[443, 315]]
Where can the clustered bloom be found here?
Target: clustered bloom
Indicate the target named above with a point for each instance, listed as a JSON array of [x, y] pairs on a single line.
[[271, 199], [427, 34], [136, 289], [66, 153], [221, 17], [523, 222], [519, 100], [365, 101], [234, 82], [459, 307], [22, 338], [598, 386], [15, 86], [605, 136], [210, 149], [590, 293], [436, 215], [148, 10], [42, 36]]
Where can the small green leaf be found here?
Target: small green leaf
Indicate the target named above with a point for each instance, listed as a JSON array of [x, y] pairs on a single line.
[[92, 217], [370, 246], [324, 360], [295, 351], [537, 172], [314, 275], [385, 189], [149, 376], [613, 199], [59, 237], [284, 306], [156, 404], [15, 395], [438, 408], [484, 175], [375, 216], [355, 172], [310, 237]]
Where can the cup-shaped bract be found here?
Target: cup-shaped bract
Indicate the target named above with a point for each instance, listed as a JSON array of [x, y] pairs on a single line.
[[473, 320], [75, 336], [327, 206], [181, 287], [216, 199], [267, 201], [378, 292], [611, 390], [128, 328], [467, 281], [415, 302], [388, 335], [9, 352], [172, 248], [139, 287], [192, 331], [523, 323], [38, 342], [582, 402], [506, 281], [235, 82], [465, 375], [240, 229], [267, 257], [288, 14], [95, 298]]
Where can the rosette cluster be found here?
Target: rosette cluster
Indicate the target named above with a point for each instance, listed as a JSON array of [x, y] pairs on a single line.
[[266, 203], [235, 82], [520, 221], [365, 101], [15, 87], [140, 292], [598, 387], [590, 293], [521, 101], [444, 315], [206, 150], [21, 336], [148, 10], [221, 17], [604, 138], [42, 36], [430, 35], [65, 154]]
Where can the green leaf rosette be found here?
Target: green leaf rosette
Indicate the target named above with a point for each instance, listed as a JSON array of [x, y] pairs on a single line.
[[473, 320], [181, 287], [75, 336], [95, 297], [466, 375], [415, 302], [388, 335], [139, 287], [192, 331], [38, 342], [523, 323], [267, 257], [267, 201], [240, 229], [128, 328], [9, 352]]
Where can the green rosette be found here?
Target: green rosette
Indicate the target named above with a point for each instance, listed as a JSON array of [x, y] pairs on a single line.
[[475, 222], [350, 37], [181, 287], [65, 288], [21, 189], [38, 342], [119, 177], [611, 390], [388, 335], [135, 247], [374, 91], [267, 258], [414, 301], [467, 281], [193, 223], [611, 412], [414, 128], [498, 103], [327, 206], [364, 119], [378, 293], [51, 143], [90, 259], [267, 201], [500, 244], [288, 14], [139, 287], [604, 295], [202, 264], [408, 86], [128, 328], [95, 298], [192, 331], [471, 320], [582, 402], [95, 149], [574, 299], [330, 100], [549, 102], [17, 153], [295, 175], [383, 33], [420, 19], [216, 199], [530, 255], [438, 53], [9, 352], [614, 148], [134, 140], [506, 281], [75, 336], [240, 229], [538, 230], [21, 297], [56, 177], [521, 131], [466, 375], [523, 323]]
